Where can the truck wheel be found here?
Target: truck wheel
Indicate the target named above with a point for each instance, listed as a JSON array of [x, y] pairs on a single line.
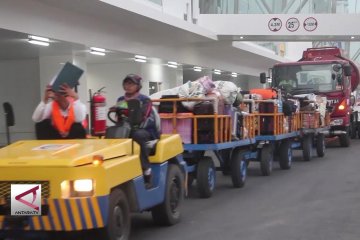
[[307, 147], [266, 160], [119, 223], [168, 212], [285, 154], [206, 177], [238, 168], [320, 145], [344, 139]]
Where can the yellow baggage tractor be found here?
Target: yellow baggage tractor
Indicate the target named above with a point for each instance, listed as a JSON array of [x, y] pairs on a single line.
[[73, 185]]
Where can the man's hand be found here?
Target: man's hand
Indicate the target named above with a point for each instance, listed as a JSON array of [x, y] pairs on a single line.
[[49, 94], [68, 92]]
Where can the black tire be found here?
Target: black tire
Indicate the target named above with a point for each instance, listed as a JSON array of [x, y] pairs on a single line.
[[190, 179], [206, 177], [119, 222], [285, 154], [344, 139], [307, 147], [238, 168], [266, 160], [320, 145], [168, 212], [358, 132], [226, 161]]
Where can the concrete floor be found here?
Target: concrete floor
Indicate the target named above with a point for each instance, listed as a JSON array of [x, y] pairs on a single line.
[[313, 200]]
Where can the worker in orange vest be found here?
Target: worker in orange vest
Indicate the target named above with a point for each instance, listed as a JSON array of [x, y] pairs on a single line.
[[60, 115]]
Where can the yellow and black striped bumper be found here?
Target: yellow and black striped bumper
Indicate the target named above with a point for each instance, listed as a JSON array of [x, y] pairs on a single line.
[[68, 215]]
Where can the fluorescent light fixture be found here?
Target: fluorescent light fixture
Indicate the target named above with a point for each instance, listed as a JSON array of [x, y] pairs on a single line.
[[140, 60], [217, 71], [173, 63], [97, 53], [241, 37], [197, 69], [234, 74], [140, 57], [172, 66], [97, 49], [352, 37], [38, 40]]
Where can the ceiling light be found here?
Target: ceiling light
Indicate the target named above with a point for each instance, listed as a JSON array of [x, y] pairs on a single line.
[[97, 51], [140, 57], [234, 74], [352, 37], [217, 71], [38, 40], [241, 37], [171, 65], [197, 69]]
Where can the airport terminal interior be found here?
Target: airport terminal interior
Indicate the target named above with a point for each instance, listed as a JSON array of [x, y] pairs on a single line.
[[177, 46]]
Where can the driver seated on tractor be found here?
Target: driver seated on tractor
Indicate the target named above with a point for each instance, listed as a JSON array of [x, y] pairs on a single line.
[[287, 84], [145, 131], [60, 115]]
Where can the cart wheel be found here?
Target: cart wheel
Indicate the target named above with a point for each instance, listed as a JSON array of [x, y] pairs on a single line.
[[206, 177], [307, 147], [168, 212], [225, 155], [190, 179], [119, 222], [285, 154], [345, 139], [320, 145], [358, 132], [238, 168], [266, 160]]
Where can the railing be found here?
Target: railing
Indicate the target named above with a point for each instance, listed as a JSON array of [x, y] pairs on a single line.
[[221, 123]]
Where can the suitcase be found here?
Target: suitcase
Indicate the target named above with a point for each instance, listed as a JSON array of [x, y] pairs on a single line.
[[267, 107], [168, 107], [266, 125], [204, 108]]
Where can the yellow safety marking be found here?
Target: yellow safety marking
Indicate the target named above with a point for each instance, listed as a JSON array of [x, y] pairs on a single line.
[[97, 212], [76, 214], [46, 221], [55, 216], [65, 215], [36, 223], [86, 211]]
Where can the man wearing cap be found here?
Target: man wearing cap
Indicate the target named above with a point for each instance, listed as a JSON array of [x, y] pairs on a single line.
[[60, 115], [147, 130]]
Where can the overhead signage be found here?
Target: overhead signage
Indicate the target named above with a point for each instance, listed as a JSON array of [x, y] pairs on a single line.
[[275, 24], [292, 24], [310, 24]]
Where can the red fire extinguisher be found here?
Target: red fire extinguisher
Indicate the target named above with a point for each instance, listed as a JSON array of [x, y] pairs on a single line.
[[98, 113]]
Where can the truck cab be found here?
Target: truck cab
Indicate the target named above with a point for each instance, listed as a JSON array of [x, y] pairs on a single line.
[[324, 72]]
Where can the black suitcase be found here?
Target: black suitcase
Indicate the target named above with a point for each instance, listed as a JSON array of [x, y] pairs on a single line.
[[266, 107], [204, 108], [266, 125], [168, 107]]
